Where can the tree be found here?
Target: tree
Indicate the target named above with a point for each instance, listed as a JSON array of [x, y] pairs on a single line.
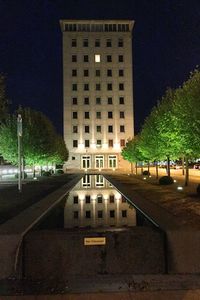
[[41, 144]]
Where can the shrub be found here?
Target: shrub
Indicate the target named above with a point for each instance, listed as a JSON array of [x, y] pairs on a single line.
[[165, 180], [198, 189], [59, 172], [146, 173], [46, 173]]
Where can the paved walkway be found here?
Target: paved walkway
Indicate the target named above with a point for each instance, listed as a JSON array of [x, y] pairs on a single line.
[[165, 205]]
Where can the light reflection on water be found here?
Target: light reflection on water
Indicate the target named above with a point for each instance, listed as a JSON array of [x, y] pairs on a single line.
[[94, 203]]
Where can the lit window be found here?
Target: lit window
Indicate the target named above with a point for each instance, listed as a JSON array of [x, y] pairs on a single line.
[[97, 58]]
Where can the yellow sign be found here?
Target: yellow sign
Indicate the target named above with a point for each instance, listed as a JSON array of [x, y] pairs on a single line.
[[92, 241]]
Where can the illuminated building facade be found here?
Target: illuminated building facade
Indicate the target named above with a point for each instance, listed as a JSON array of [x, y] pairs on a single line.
[[98, 92]]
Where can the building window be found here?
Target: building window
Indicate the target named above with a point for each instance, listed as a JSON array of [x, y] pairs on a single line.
[[109, 73], [109, 86], [109, 58], [97, 58], [121, 73], [98, 115], [75, 129], [99, 198], [87, 143], [97, 43], [98, 128], [85, 43], [74, 43], [75, 199], [122, 143], [97, 73], [75, 143], [121, 100], [120, 43], [112, 161], [74, 58], [108, 43], [86, 101], [75, 115], [88, 214], [120, 58], [98, 143], [87, 199], [75, 214], [74, 72], [122, 128], [112, 213], [124, 213], [99, 179], [86, 73], [110, 128], [87, 129], [121, 115], [74, 101], [110, 100], [98, 100], [110, 114], [121, 86], [100, 214], [73, 157], [110, 143], [86, 86], [85, 58], [112, 198], [74, 87], [98, 86], [87, 114]]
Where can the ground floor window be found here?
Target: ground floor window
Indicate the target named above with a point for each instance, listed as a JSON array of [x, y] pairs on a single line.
[[99, 161], [86, 161], [112, 161]]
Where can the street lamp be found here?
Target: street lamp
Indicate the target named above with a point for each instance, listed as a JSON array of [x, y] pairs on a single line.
[[19, 138]]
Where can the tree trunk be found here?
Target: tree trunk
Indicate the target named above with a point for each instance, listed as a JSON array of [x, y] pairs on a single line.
[[183, 165], [33, 171], [168, 166], [156, 170], [148, 168], [131, 167], [186, 171], [142, 168], [136, 168]]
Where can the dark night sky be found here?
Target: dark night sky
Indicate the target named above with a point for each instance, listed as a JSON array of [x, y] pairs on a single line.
[[166, 41]]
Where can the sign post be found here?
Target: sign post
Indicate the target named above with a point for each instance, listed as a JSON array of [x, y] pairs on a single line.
[[19, 138]]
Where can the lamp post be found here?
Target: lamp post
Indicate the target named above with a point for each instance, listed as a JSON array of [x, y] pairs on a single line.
[[19, 136]]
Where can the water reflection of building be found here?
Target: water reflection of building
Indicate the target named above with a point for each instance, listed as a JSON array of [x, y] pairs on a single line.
[[95, 203]]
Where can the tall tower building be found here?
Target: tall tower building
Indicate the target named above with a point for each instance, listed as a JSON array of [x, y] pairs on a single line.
[[98, 92]]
